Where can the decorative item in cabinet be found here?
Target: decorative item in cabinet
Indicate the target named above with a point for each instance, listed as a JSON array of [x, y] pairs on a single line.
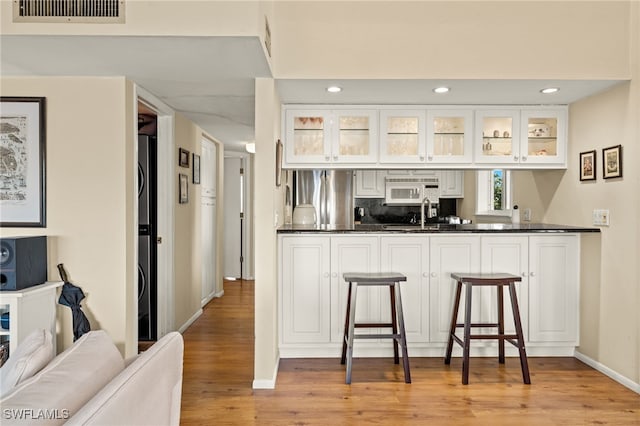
[[308, 136], [542, 136], [402, 138], [353, 135]]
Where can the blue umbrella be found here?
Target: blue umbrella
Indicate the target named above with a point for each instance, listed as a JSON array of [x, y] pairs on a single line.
[[71, 296]]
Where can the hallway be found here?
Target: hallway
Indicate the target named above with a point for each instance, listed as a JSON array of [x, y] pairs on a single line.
[[218, 375]]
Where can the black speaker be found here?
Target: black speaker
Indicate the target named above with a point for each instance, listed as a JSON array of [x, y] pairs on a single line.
[[23, 262]]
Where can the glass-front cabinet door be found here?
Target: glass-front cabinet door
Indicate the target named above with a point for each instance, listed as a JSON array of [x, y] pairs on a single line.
[[543, 135], [355, 136], [449, 136], [308, 136], [497, 138], [402, 136]]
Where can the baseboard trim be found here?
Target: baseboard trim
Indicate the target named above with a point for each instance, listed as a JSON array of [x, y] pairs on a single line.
[[624, 381], [190, 321], [268, 384]]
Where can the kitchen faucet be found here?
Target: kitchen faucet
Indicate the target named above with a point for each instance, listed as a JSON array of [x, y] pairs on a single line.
[[422, 211]]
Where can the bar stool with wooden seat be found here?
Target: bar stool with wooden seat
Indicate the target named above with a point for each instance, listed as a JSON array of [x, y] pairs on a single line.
[[498, 280], [391, 280]]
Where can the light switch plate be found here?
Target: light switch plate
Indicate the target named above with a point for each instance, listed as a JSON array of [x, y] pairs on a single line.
[[600, 217], [527, 215]]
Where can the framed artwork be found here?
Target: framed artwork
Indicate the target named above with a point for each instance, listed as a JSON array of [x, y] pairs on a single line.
[[612, 162], [183, 157], [196, 169], [278, 162], [183, 188], [22, 169], [588, 165]]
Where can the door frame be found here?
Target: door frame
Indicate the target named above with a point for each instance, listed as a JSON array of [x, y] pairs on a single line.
[[166, 207]]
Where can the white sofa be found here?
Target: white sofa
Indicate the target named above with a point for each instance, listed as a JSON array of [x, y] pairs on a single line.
[[89, 384]]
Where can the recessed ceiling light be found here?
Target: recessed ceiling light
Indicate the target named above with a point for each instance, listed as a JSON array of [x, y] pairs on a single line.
[[441, 89], [334, 89], [548, 90]]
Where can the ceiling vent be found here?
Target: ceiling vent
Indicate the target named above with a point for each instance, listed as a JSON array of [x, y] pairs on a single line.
[[84, 11]]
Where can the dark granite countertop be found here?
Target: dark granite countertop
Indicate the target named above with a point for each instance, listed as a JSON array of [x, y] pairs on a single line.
[[440, 228]]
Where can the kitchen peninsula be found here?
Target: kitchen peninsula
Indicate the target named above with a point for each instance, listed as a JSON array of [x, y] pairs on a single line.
[[313, 295]]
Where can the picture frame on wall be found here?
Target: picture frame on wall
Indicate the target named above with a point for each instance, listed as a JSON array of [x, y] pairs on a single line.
[[588, 165], [196, 169], [183, 188], [23, 177], [183, 157], [612, 162]]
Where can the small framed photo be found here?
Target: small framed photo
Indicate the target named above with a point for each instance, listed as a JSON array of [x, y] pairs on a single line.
[[612, 162], [196, 169], [22, 164], [183, 157], [588, 165], [183, 188]]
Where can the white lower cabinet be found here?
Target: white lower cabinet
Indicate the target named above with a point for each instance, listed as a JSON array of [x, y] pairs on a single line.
[[313, 294], [510, 255], [305, 296], [450, 253], [408, 255], [554, 289], [353, 254]]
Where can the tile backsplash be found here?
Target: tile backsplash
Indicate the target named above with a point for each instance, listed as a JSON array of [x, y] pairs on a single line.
[[375, 211]]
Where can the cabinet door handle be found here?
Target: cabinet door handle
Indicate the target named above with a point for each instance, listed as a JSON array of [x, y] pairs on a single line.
[[430, 158], [335, 158], [524, 158], [334, 275], [532, 274], [424, 274], [515, 158], [327, 157], [524, 274], [326, 275], [421, 156], [433, 275]]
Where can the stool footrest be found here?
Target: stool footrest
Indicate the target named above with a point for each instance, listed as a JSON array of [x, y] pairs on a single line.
[[373, 325], [486, 325], [376, 336]]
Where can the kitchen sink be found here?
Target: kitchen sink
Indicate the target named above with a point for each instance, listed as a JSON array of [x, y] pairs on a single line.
[[428, 227]]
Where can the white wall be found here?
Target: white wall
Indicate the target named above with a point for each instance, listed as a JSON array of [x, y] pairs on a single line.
[[268, 214], [90, 195]]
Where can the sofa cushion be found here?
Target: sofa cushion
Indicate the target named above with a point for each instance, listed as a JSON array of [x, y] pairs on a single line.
[[33, 353], [61, 388]]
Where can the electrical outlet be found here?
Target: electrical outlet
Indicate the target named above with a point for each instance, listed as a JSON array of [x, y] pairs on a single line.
[[527, 215], [600, 217]]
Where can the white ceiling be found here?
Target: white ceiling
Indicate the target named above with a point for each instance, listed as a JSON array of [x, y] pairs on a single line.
[[210, 80]]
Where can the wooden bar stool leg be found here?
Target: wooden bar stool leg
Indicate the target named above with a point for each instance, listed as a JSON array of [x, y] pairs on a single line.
[[454, 320], [500, 325], [394, 323], [403, 336], [524, 364], [352, 320], [346, 327], [467, 334]]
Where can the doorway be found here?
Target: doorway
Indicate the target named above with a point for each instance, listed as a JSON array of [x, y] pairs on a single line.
[[238, 215]]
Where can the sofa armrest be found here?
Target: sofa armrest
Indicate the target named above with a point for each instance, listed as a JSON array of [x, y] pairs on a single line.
[[147, 392]]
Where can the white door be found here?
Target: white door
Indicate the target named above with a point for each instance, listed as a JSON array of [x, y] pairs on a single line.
[[209, 276], [233, 207]]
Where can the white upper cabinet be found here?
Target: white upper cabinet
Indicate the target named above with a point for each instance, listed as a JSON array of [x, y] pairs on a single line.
[[543, 136], [402, 136], [325, 137], [450, 136], [497, 138], [521, 136], [425, 136]]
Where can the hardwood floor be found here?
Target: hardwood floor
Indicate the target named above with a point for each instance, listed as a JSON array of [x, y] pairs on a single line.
[[218, 374]]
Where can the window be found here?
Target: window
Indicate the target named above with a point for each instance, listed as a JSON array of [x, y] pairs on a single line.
[[493, 196]]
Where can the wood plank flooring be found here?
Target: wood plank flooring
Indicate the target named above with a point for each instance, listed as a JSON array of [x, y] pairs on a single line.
[[218, 375]]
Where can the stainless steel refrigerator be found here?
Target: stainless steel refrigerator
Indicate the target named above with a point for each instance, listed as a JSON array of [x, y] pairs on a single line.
[[330, 192]]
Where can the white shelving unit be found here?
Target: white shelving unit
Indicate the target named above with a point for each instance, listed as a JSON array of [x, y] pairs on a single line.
[[30, 309]]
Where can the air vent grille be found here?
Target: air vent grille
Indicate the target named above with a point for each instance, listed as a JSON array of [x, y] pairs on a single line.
[[98, 11]]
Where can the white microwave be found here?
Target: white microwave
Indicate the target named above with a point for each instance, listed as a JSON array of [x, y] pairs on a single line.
[[407, 191]]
